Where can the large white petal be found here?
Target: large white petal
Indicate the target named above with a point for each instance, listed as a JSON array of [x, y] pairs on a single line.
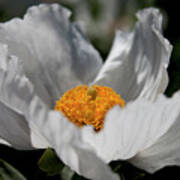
[[66, 139], [56, 55], [130, 130], [2, 141], [63, 136], [165, 151], [14, 129], [15, 88], [15, 94], [136, 66]]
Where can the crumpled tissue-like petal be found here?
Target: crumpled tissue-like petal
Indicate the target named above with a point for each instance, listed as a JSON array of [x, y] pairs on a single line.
[[166, 150], [14, 129], [55, 53], [136, 66], [2, 141], [15, 94], [66, 139], [135, 128]]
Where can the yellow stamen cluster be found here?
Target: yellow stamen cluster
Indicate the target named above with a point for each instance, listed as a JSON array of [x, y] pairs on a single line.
[[85, 105]]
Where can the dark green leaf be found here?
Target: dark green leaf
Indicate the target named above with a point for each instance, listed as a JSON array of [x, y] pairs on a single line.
[[7, 172], [50, 163]]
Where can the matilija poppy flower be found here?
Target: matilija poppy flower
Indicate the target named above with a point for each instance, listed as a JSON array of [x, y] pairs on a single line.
[[103, 112]]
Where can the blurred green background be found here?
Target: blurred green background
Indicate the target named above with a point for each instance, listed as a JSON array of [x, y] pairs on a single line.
[[104, 16]]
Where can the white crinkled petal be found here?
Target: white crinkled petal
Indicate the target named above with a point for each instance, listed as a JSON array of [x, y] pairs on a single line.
[[15, 94], [136, 66], [2, 141], [3, 56], [131, 130], [15, 88], [66, 139], [14, 129], [165, 151], [56, 55]]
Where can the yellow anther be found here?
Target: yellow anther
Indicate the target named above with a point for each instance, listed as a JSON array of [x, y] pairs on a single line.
[[85, 105]]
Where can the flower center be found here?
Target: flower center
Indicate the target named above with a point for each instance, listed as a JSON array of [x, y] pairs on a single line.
[[85, 105]]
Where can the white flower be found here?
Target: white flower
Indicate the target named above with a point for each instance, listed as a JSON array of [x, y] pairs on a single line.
[[44, 55]]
